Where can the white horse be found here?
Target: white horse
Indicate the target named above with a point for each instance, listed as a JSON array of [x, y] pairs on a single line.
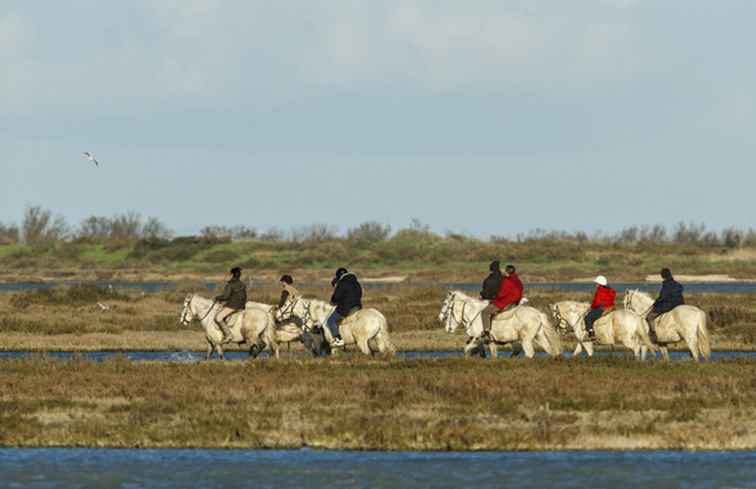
[[286, 332], [367, 328], [254, 325], [683, 323], [617, 327], [524, 324]]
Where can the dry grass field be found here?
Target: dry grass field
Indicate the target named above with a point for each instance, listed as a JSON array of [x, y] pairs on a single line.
[[361, 403]]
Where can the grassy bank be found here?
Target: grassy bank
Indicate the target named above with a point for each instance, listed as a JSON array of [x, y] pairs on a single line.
[[367, 404], [418, 255]]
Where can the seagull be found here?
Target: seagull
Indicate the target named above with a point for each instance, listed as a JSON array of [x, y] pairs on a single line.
[[89, 156]]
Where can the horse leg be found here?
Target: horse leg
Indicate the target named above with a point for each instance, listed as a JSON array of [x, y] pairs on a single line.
[[362, 344], [209, 351], [543, 342], [692, 342], [664, 352], [527, 346], [219, 349], [636, 351], [643, 352], [471, 347], [589, 348], [494, 349], [578, 350]]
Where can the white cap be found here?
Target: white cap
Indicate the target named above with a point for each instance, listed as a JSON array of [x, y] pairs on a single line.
[[601, 280]]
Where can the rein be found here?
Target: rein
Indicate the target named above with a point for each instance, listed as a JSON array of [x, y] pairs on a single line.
[[629, 305], [209, 310]]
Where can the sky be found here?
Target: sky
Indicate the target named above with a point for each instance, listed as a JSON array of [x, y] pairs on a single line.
[[480, 117]]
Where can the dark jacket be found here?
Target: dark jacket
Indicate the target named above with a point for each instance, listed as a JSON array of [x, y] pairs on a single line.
[[670, 296], [234, 295], [491, 286], [348, 294]]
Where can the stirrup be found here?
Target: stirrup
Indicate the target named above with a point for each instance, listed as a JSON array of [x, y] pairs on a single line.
[[337, 342]]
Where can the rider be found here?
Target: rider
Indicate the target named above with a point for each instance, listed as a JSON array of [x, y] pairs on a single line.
[[287, 284], [491, 284], [603, 300], [670, 296], [508, 295], [347, 297], [234, 299]]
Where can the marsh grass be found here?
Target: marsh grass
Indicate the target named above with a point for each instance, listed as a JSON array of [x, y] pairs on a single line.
[[360, 403]]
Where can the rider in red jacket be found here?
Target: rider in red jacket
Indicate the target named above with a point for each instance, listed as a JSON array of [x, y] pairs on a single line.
[[510, 294], [603, 301]]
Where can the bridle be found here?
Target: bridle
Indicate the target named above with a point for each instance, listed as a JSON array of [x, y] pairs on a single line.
[[629, 303], [448, 317], [288, 310], [560, 321], [187, 306]]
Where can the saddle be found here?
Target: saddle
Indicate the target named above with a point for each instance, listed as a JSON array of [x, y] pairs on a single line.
[[351, 316], [505, 313]]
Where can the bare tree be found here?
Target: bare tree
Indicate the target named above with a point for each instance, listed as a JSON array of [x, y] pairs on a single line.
[[313, 233], [126, 226], [370, 231], [39, 226], [94, 227], [9, 233], [154, 229]]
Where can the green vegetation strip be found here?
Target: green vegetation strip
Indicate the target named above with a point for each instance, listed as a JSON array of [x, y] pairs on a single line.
[[371, 404]]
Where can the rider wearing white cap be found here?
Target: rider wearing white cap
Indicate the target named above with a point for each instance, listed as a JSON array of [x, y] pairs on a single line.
[[603, 301]]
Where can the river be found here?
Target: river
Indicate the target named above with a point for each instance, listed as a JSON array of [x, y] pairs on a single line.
[[281, 469]]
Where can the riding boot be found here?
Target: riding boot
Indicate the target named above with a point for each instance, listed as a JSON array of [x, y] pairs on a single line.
[[652, 332], [227, 337], [485, 336], [591, 333]]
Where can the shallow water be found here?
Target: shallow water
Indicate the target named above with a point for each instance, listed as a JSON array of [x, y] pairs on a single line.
[[134, 468], [235, 355]]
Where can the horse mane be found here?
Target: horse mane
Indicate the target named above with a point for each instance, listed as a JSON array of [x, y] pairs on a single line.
[[641, 293], [462, 295]]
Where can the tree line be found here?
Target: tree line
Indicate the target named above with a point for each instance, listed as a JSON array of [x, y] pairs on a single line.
[[40, 225]]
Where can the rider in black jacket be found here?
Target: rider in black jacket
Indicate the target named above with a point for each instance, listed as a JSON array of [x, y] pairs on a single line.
[[347, 297], [670, 296], [491, 284]]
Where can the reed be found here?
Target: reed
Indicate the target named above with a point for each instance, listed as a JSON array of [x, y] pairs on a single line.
[[361, 403]]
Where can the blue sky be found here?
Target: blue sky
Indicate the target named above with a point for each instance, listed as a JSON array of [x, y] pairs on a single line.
[[483, 117]]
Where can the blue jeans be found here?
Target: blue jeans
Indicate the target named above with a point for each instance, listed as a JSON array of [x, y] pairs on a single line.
[[592, 316], [333, 324]]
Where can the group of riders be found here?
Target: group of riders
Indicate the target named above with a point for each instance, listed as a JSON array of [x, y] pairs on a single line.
[[503, 290], [346, 297]]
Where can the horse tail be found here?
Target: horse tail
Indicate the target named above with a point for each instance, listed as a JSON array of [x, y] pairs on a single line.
[[704, 346], [555, 342], [385, 345]]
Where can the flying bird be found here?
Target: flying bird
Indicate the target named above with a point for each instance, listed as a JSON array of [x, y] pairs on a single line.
[[89, 156]]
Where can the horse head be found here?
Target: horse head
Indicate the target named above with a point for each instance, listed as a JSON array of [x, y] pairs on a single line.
[[287, 310], [187, 316], [445, 307], [447, 316]]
